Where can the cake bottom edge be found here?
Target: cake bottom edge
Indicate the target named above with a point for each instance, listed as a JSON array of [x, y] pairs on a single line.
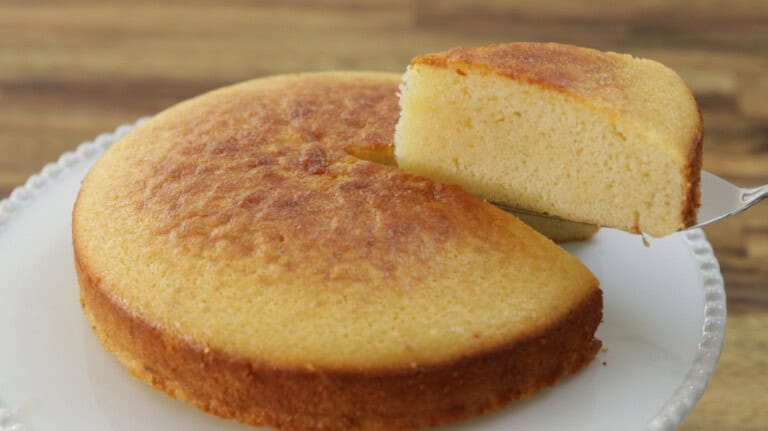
[[314, 399]]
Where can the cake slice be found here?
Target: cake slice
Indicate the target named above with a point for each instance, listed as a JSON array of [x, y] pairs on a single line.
[[588, 136]]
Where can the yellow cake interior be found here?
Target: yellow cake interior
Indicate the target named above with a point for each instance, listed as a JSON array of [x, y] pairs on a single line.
[[558, 230]]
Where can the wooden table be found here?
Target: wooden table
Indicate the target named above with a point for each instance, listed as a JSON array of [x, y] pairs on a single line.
[[69, 71]]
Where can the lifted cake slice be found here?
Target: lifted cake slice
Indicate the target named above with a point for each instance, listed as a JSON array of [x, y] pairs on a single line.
[[584, 135]]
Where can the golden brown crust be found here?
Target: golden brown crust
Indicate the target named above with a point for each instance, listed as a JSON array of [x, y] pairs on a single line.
[[561, 67], [693, 176], [218, 192], [317, 399]]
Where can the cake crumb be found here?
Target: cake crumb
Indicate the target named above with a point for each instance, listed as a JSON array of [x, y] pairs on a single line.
[[604, 350], [605, 363]]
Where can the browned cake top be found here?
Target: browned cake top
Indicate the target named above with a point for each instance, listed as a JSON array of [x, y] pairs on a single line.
[[639, 88], [582, 71], [270, 176], [240, 220]]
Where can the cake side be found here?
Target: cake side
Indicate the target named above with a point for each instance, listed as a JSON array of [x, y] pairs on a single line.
[[544, 112], [319, 399], [692, 174]]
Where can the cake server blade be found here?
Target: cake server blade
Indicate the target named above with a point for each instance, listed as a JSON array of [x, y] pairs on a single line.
[[719, 200]]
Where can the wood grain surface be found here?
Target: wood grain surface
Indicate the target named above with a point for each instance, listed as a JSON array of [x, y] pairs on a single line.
[[71, 70]]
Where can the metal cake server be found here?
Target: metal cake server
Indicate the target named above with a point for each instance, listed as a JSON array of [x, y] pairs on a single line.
[[719, 200]]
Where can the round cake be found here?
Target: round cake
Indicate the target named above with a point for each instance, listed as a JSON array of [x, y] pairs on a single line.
[[238, 253]]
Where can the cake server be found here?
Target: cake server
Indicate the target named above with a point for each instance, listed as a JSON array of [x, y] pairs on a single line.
[[719, 200]]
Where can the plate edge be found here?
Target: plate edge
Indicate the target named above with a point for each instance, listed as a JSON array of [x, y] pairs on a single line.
[[37, 182], [682, 401], [32, 187]]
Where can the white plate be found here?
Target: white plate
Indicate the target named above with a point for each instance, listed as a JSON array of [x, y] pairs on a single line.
[[662, 331]]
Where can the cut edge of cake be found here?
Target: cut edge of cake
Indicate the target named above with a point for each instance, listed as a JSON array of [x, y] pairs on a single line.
[[596, 83]]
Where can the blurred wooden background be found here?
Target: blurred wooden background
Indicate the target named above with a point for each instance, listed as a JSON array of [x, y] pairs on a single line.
[[70, 70]]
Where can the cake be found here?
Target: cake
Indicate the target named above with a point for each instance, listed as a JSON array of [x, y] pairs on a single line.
[[234, 253], [588, 136], [556, 229]]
